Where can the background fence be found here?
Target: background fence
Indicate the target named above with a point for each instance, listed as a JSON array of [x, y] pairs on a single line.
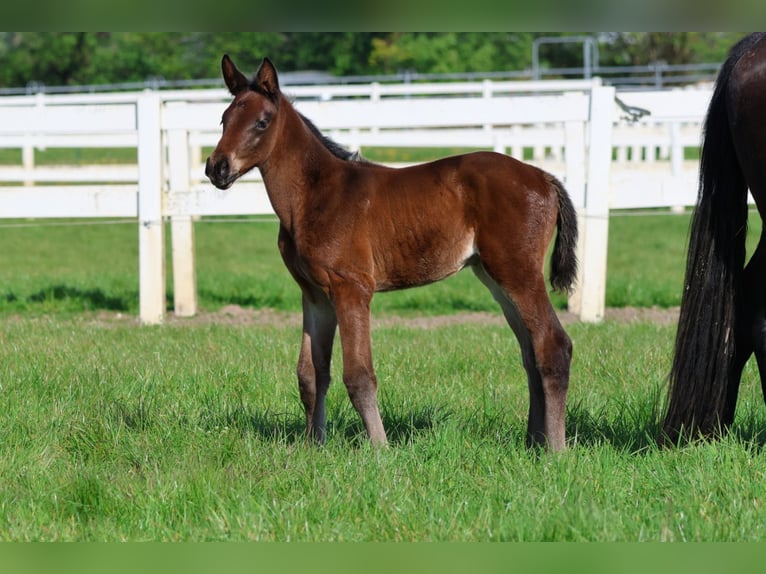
[[575, 129]]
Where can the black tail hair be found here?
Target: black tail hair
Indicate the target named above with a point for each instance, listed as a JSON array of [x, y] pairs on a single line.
[[564, 258], [704, 347]]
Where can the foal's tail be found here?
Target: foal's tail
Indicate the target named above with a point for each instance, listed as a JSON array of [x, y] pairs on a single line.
[[704, 347], [564, 258]]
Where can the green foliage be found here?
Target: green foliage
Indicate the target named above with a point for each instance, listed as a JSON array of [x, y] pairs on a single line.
[[639, 48], [48, 58], [70, 58], [451, 52]]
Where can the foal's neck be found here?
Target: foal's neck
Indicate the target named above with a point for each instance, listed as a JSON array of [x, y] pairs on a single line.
[[287, 171]]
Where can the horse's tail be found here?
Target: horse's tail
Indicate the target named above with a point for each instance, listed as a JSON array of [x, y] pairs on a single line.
[[704, 347], [564, 259]]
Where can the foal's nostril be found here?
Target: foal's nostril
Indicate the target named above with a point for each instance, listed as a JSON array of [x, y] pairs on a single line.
[[222, 169], [217, 170]]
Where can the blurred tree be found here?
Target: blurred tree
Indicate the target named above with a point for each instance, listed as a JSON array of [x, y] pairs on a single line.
[[136, 56], [341, 53], [641, 48], [67, 58], [247, 49], [450, 52], [58, 58]]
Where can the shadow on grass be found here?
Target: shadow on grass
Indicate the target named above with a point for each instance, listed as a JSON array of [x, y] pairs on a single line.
[[628, 430], [250, 300], [751, 430], [88, 298], [287, 428], [626, 427], [269, 426], [637, 429], [402, 426]]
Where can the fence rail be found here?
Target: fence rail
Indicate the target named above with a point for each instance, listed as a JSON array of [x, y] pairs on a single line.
[[573, 129]]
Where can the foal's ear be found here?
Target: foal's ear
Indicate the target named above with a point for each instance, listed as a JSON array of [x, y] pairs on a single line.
[[266, 79], [235, 80]]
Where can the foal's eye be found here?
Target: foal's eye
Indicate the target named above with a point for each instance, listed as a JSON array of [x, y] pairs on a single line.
[[261, 124]]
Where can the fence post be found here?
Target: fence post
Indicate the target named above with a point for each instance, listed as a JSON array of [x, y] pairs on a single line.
[[594, 231], [181, 228], [28, 146], [151, 230], [574, 159], [28, 160]]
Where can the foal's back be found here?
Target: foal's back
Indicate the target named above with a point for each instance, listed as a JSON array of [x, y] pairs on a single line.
[[423, 223]]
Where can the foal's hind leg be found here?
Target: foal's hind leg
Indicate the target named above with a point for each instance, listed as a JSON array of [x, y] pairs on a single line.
[[319, 324], [546, 353]]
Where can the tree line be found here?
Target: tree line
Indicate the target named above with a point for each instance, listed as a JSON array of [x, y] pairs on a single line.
[[78, 58]]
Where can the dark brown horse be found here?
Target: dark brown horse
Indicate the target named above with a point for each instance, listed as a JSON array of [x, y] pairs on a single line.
[[349, 228], [723, 309]]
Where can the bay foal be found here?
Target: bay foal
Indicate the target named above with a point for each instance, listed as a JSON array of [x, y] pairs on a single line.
[[349, 228]]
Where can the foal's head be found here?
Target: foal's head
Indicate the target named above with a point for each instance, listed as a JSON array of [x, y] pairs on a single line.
[[249, 130]]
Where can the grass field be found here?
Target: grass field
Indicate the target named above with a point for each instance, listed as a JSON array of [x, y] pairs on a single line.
[[67, 267], [115, 432], [192, 431]]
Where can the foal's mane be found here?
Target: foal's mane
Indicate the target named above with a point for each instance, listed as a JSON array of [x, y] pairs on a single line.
[[332, 146]]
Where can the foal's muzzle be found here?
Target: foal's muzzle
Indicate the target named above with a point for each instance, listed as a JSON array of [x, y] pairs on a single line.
[[219, 172]]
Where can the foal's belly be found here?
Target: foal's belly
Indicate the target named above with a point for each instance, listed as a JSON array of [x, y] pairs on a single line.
[[421, 262]]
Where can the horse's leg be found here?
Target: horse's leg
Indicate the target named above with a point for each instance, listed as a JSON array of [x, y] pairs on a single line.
[[352, 305], [755, 286], [546, 352], [750, 336], [319, 324], [759, 337], [743, 350], [751, 331]]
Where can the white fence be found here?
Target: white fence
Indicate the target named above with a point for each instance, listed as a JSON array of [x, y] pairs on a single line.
[[574, 128]]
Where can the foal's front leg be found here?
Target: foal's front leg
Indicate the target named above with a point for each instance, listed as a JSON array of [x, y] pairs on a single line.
[[319, 324], [352, 304]]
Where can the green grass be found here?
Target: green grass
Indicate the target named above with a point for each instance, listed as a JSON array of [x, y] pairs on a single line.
[[78, 156], [411, 155], [111, 431], [647, 258], [72, 156], [59, 267]]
